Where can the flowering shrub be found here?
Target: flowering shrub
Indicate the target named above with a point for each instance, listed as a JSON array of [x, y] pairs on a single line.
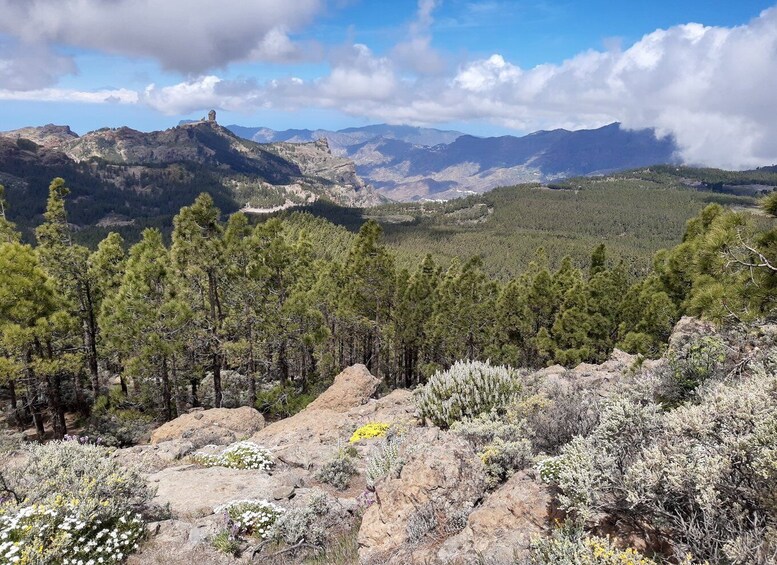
[[240, 455], [565, 547], [98, 518], [467, 389], [369, 431], [251, 517], [62, 531]]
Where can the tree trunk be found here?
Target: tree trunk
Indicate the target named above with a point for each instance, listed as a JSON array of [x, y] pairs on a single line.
[[53, 386], [20, 420], [216, 367], [166, 396], [251, 374], [195, 400], [90, 338], [283, 363], [83, 405]]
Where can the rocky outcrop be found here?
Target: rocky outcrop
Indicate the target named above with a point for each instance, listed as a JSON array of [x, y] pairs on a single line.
[[503, 527], [688, 329], [218, 426], [614, 368], [309, 438], [352, 388], [442, 478]]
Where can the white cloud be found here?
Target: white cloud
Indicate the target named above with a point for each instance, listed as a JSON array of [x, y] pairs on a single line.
[[183, 35], [416, 53], [116, 96]]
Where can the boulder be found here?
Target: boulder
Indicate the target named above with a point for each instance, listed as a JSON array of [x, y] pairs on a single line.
[[218, 426], [688, 329], [193, 491], [614, 368], [502, 528], [442, 475], [352, 388]]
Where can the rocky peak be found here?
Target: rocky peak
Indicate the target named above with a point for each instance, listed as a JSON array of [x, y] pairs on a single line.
[[50, 135]]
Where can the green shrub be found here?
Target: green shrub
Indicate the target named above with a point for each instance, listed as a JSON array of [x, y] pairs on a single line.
[[119, 424], [690, 367], [224, 542], [466, 390], [240, 455], [282, 401]]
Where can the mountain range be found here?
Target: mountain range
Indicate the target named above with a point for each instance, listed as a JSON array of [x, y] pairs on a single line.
[[117, 175], [409, 163]]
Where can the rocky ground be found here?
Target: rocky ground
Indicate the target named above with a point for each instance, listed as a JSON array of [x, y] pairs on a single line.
[[436, 510]]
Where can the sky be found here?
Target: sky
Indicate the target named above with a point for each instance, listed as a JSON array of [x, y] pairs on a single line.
[[704, 71]]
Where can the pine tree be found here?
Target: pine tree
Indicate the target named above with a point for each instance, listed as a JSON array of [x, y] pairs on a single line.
[[414, 306], [68, 266], [146, 320], [31, 322], [197, 254], [370, 284]]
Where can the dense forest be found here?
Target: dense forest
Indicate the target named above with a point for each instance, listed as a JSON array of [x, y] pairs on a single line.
[[121, 337]]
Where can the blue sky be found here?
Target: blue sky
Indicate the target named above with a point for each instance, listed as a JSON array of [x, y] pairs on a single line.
[[700, 70]]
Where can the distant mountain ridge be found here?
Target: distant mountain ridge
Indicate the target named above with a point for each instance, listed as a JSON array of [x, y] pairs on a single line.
[[408, 163]]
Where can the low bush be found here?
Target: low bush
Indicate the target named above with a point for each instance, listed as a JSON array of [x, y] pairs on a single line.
[[385, 460], [250, 517], [702, 473], [338, 471], [68, 502], [370, 431], [281, 402], [567, 547], [690, 367], [502, 443], [240, 455], [466, 390], [305, 524], [118, 423]]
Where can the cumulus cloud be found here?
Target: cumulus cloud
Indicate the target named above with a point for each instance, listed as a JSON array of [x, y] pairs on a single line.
[[29, 67], [183, 35]]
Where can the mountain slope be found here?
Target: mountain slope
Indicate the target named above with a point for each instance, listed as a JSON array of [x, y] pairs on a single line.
[[341, 140], [404, 164], [120, 175]]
